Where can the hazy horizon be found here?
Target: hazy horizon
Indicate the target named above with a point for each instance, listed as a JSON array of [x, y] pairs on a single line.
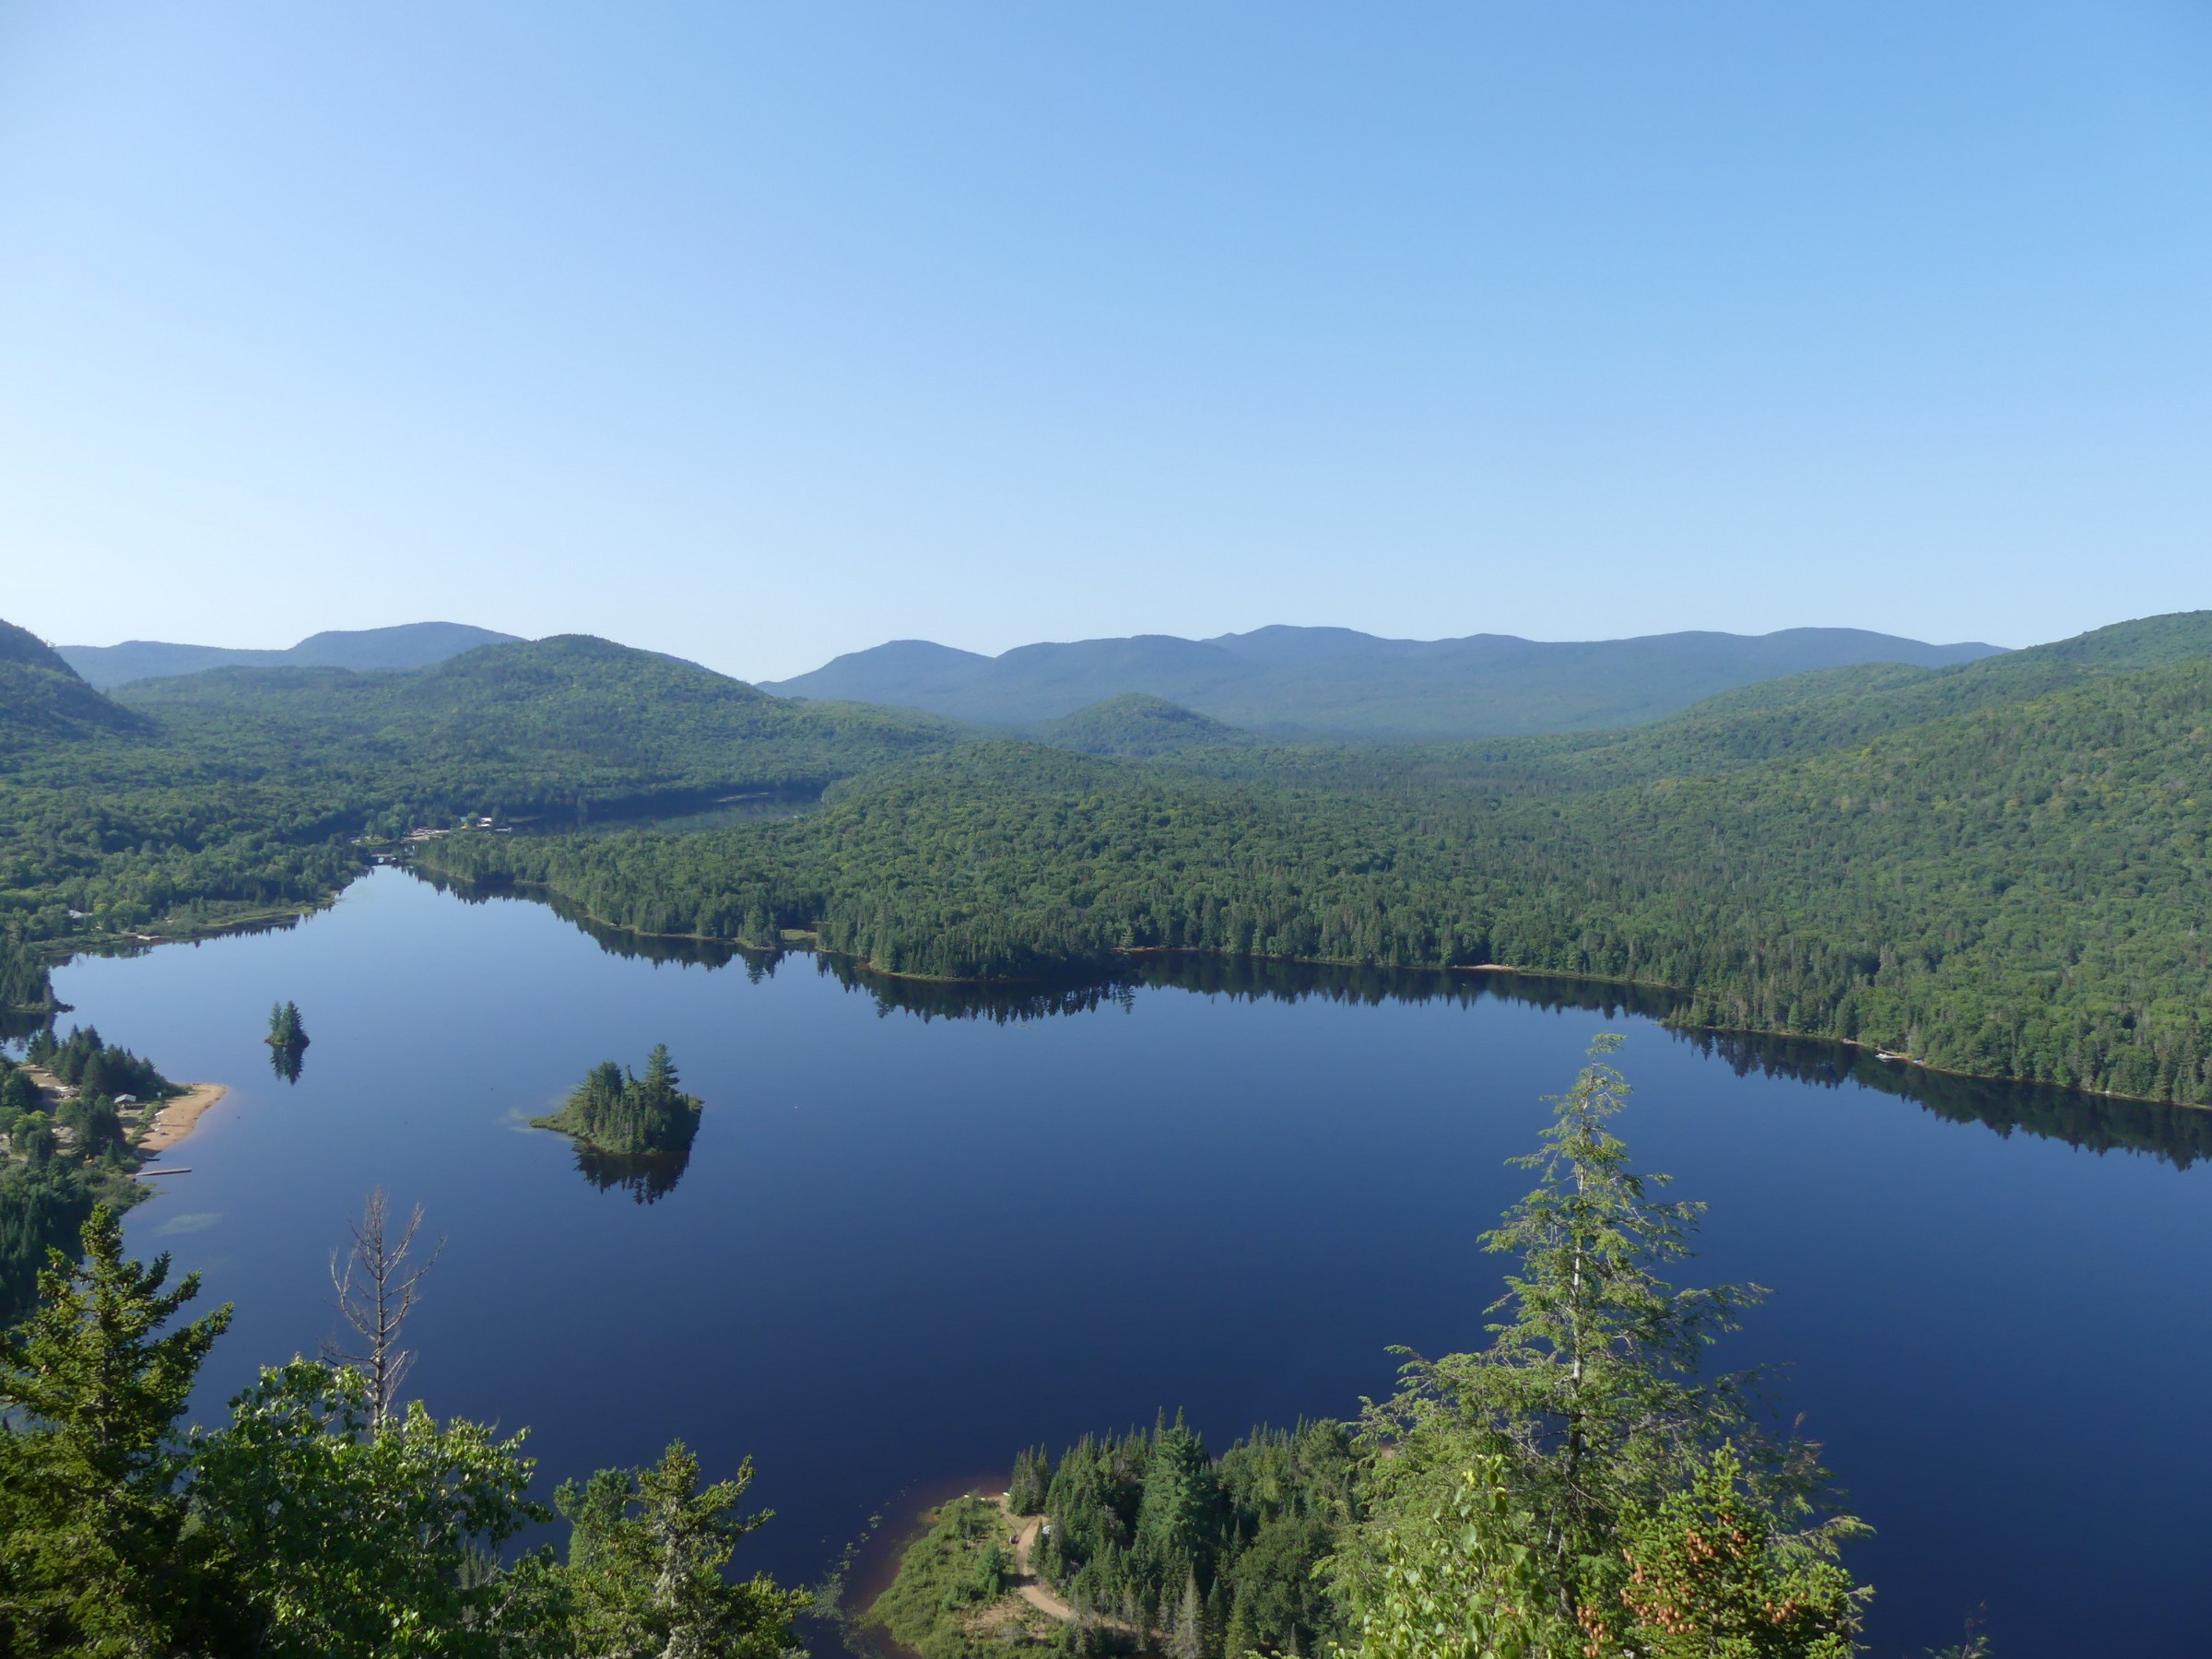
[[764, 334], [737, 673]]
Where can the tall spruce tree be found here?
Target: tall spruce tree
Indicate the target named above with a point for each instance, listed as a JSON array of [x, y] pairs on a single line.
[[93, 1552], [1586, 1411]]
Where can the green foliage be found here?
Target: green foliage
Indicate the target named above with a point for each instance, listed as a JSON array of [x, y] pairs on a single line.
[[1140, 1523], [1708, 1577], [615, 1112], [1032, 1476], [94, 1555], [49, 1184], [1137, 724], [645, 1560], [339, 1541], [1454, 1572], [301, 1527], [956, 1568], [95, 1067], [1630, 1499], [236, 792], [286, 1029], [2020, 889], [43, 700], [24, 984]]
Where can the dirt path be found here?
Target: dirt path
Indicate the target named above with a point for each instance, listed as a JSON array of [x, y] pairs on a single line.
[[1031, 1587]]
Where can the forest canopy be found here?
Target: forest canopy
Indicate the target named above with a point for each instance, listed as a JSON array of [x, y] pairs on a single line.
[[1997, 867]]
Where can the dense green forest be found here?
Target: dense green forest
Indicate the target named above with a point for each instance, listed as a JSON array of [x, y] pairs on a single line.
[[2022, 889], [1575, 1485], [616, 1111], [1996, 867], [240, 792], [315, 1524]]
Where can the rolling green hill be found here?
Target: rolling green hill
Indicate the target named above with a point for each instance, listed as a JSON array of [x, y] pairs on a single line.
[[240, 792], [530, 727], [2022, 887], [42, 699], [1999, 866], [1138, 724]]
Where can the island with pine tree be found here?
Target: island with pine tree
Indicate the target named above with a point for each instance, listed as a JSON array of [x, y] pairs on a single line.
[[616, 1111]]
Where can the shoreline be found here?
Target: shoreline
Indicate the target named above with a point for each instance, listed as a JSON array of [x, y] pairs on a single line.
[[799, 939], [177, 1116]]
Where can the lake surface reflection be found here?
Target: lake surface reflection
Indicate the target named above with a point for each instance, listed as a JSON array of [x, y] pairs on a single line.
[[921, 1227]]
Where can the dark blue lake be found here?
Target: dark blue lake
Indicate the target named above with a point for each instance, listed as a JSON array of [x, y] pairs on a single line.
[[909, 1241]]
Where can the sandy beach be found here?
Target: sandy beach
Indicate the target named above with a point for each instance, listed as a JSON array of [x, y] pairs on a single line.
[[175, 1119]]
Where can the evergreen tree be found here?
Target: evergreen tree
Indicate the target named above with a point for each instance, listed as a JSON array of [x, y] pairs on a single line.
[[287, 1030], [645, 1567], [1237, 1641], [1187, 1637], [660, 1072], [1584, 1413], [93, 1555]]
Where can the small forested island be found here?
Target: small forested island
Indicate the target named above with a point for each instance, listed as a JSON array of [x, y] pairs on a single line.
[[613, 1109], [287, 1041], [286, 1030]]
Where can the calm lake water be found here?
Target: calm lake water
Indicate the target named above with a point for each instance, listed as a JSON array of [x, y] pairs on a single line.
[[909, 1243]]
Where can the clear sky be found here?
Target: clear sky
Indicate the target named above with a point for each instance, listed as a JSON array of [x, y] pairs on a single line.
[[758, 334]]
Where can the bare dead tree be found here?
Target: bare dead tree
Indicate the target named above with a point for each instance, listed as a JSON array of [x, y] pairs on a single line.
[[377, 1289]]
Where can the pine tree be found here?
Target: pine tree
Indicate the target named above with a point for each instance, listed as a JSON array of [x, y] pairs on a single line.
[[1238, 1641], [1187, 1637]]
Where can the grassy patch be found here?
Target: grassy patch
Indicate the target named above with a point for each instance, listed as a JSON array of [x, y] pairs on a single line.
[[953, 1597]]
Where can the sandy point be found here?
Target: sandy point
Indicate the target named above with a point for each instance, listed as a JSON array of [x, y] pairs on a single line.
[[175, 1119]]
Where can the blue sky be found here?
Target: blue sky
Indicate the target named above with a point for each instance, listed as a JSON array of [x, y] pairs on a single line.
[[760, 334]]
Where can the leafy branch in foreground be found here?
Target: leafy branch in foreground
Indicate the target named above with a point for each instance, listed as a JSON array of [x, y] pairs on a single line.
[[312, 1523]]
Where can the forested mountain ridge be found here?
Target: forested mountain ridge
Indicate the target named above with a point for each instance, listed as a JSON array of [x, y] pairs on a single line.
[[409, 645], [1334, 682], [2019, 890], [1999, 866], [44, 699], [238, 791], [1799, 715], [537, 723]]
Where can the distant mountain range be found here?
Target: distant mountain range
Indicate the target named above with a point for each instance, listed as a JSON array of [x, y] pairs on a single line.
[[1334, 682], [409, 645]]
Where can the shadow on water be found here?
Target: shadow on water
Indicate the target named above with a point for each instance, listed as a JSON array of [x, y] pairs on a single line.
[[647, 1179], [2180, 1135]]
